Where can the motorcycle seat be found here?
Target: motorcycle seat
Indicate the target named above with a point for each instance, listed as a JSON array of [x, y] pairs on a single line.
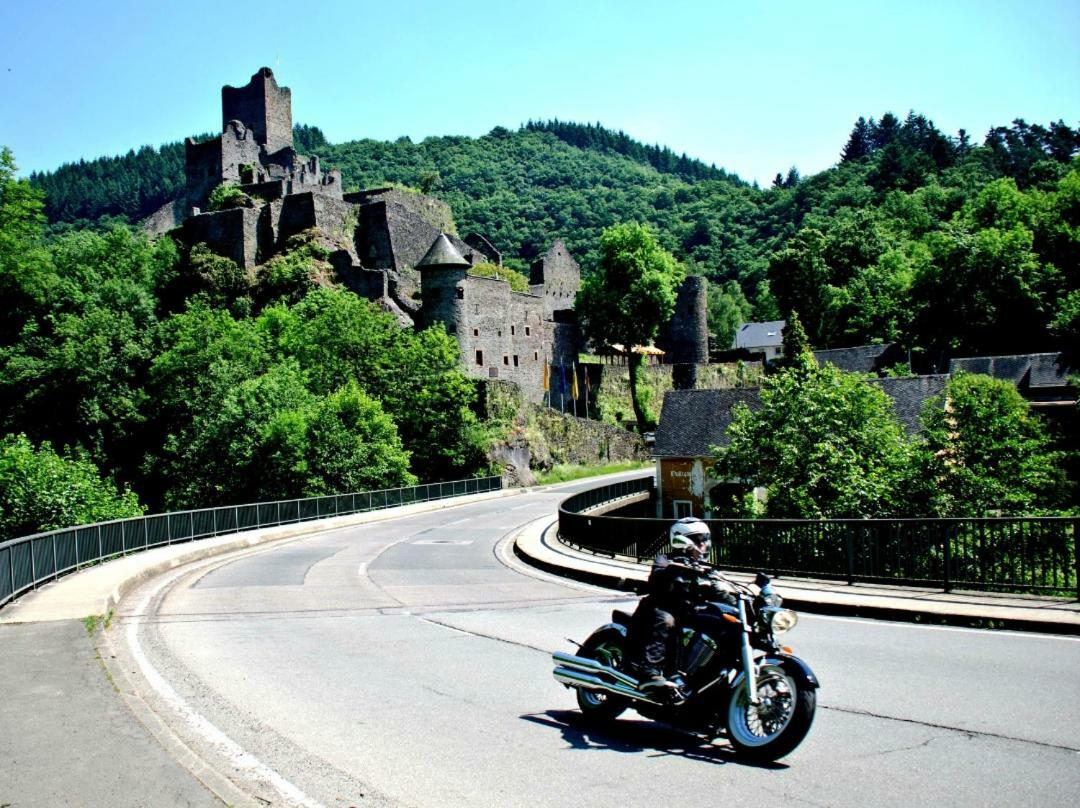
[[621, 617]]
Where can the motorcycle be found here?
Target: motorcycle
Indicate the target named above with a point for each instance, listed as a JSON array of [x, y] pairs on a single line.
[[733, 676]]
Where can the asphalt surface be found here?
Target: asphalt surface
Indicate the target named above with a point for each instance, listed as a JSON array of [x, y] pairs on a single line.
[[408, 663]]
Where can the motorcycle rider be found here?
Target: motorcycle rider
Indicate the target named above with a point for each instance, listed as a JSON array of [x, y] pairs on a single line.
[[672, 587]]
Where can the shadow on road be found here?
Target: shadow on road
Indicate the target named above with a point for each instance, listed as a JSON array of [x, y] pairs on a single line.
[[638, 736]]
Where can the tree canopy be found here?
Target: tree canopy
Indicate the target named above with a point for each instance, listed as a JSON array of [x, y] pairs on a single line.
[[630, 295]]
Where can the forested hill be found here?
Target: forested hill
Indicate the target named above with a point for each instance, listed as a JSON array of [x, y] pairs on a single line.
[[916, 236], [600, 138]]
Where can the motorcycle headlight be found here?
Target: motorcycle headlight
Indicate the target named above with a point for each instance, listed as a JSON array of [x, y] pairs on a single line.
[[780, 621]]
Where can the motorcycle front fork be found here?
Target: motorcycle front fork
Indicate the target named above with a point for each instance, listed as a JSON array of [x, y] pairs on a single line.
[[747, 656]]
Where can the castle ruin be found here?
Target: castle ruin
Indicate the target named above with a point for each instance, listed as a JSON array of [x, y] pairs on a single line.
[[390, 246]]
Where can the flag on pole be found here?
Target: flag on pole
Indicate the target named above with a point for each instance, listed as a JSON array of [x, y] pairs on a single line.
[[573, 385], [547, 382]]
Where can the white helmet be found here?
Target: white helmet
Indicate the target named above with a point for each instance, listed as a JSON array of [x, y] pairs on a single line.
[[690, 531]]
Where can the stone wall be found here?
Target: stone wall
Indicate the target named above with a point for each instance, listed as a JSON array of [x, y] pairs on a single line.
[[612, 393], [233, 233], [539, 437], [556, 276], [433, 211], [395, 238]]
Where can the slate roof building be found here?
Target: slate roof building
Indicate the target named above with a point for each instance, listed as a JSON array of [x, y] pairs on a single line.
[[861, 359], [766, 338], [1043, 378], [691, 423], [694, 421]]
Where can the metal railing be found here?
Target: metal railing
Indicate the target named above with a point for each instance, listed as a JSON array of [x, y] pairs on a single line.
[[1038, 555], [28, 562]]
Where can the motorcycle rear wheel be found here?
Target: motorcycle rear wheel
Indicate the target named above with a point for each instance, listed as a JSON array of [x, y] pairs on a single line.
[[774, 727], [609, 648]]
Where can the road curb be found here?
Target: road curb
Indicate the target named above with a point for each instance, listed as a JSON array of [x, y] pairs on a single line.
[[540, 547]]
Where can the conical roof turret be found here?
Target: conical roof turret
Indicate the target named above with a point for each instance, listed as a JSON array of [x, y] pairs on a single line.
[[442, 254]]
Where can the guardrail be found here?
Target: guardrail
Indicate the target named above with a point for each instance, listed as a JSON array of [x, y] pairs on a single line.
[[1038, 555], [28, 562]]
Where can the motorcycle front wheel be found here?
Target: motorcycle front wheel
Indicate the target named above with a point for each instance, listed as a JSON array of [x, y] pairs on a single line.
[[608, 647], [778, 723]]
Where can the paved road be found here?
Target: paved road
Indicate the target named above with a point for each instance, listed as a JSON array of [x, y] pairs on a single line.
[[405, 663]]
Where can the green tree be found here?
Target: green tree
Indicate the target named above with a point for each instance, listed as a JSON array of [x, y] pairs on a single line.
[[24, 265], [630, 295], [824, 444], [985, 453], [342, 443], [728, 310], [42, 490]]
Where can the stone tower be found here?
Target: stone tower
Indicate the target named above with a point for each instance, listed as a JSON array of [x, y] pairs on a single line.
[[263, 107], [685, 338], [442, 272]]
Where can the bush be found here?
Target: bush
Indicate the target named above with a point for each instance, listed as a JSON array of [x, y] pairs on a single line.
[[41, 490]]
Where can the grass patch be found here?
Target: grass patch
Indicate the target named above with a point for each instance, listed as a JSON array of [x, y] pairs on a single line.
[[90, 623], [564, 473]]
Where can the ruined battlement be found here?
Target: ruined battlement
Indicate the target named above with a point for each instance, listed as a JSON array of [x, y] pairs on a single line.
[[262, 105]]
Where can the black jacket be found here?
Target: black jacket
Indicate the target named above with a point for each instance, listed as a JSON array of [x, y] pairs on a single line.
[[674, 582]]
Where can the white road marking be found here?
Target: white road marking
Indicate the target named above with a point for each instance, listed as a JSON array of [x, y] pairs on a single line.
[[236, 755], [1029, 635], [519, 507], [458, 522]]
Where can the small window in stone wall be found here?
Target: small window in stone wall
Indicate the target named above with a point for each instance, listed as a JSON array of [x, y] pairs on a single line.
[[528, 331], [536, 356], [476, 332], [498, 333], [460, 293], [479, 357], [515, 360], [493, 372], [513, 330], [506, 360]]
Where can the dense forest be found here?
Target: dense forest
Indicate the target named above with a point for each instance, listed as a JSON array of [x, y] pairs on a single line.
[[175, 374]]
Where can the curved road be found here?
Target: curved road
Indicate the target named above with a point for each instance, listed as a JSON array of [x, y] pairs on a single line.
[[407, 662]]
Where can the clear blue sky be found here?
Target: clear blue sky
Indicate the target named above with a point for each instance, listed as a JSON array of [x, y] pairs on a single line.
[[754, 86]]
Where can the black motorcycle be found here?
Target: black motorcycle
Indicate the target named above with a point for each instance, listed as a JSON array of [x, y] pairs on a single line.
[[733, 675]]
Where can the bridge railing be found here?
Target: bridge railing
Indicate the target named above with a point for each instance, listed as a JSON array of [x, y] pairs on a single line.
[[28, 562], [1037, 555]]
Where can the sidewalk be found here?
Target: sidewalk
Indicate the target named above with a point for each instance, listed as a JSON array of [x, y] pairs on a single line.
[[539, 546]]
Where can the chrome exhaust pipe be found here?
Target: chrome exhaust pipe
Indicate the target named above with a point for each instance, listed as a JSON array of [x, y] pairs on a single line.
[[590, 674], [593, 667], [586, 681]]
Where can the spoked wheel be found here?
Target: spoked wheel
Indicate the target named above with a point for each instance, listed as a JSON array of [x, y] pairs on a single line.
[[777, 723], [610, 649]]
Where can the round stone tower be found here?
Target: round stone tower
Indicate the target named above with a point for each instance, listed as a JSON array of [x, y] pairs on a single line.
[[442, 288]]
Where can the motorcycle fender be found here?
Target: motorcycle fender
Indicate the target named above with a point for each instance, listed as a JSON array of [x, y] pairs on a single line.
[[792, 665], [796, 669], [619, 627]]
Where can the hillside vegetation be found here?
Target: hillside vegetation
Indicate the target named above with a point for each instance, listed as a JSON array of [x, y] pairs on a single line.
[[177, 376], [914, 237]]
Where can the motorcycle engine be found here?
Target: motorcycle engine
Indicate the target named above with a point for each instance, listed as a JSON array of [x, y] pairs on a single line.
[[695, 650]]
